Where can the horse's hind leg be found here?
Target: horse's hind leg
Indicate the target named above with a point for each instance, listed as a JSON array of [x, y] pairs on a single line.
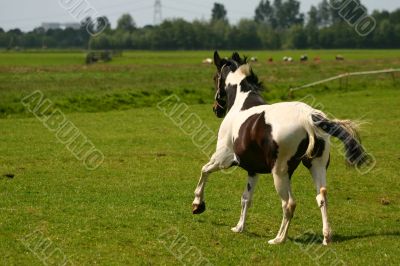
[[246, 202], [282, 186], [318, 172]]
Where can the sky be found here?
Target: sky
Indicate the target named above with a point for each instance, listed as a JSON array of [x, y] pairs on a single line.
[[28, 14]]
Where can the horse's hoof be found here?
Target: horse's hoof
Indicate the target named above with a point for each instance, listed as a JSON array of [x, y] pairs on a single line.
[[276, 241], [199, 208], [327, 237], [327, 241], [237, 229]]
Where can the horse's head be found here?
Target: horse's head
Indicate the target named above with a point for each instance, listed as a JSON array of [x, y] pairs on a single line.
[[231, 73], [224, 68]]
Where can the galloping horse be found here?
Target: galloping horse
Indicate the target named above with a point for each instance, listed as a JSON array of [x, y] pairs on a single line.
[[273, 139]]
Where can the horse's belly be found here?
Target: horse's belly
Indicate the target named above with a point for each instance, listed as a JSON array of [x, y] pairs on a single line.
[[254, 162]]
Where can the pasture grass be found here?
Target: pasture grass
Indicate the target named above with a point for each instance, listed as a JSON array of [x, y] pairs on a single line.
[[140, 79], [137, 205]]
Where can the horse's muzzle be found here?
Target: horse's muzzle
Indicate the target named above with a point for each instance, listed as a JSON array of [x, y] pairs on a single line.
[[219, 111]]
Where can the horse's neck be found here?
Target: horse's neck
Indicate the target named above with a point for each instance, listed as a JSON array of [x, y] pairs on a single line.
[[245, 100], [238, 100], [242, 101]]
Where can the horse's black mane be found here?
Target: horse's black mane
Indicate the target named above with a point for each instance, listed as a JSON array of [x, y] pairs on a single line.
[[251, 82]]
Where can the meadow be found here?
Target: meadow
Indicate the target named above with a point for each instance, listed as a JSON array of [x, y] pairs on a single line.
[[135, 209]]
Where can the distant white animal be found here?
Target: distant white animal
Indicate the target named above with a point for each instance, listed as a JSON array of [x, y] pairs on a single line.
[[288, 59], [253, 59], [208, 61]]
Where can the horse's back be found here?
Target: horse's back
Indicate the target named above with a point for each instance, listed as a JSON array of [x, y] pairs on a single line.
[[285, 118], [285, 123]]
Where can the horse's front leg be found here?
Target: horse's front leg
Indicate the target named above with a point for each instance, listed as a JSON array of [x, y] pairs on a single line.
[[222, 159], [198, 204], [247, 198]]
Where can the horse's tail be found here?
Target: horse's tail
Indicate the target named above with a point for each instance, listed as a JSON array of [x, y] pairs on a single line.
[[344, 130]]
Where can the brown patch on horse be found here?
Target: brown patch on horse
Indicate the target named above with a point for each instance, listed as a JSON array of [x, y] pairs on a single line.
[[255, 148], [253, 99], [323, 191], [231, 95]]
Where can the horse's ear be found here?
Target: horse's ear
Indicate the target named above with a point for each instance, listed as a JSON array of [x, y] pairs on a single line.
[[217, 60], [236, 57]]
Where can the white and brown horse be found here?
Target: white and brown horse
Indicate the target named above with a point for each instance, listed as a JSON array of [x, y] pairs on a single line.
[[273, 139]]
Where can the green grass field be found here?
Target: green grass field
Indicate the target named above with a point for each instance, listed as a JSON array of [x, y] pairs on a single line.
[[135, 209]]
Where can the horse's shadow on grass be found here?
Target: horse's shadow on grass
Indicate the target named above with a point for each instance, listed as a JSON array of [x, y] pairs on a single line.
[[245, 232], [311, 237]]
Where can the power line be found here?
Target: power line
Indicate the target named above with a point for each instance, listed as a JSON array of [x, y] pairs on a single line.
[[182, 10], [157, 12], [210, 6]]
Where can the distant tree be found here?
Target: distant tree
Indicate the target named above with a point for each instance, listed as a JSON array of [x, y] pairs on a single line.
[[395, 17], [245, 36], [219, 34], [103, 24], [278, 14], [313, 17], [126, 23], [326, 37], [284, 13], [201, 31], [291, 13], [312, 30], [334, 13], [277, 24], [297, 37], [383, 35], [219, 13], [396, 37], [182, 34], [39, 30], [16, 31], [84, 31], [103, 41], [269, 38], [324, 11], [264, 12], [381, 15], [352, 11], [31, 39], [3, 39]]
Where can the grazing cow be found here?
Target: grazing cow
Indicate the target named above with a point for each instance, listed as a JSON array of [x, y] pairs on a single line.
[[339, 58], [275, 139], [288, 59], [304, 58], [270, 60]]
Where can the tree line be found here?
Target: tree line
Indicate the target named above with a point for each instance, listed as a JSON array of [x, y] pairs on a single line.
[[277, 24]]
